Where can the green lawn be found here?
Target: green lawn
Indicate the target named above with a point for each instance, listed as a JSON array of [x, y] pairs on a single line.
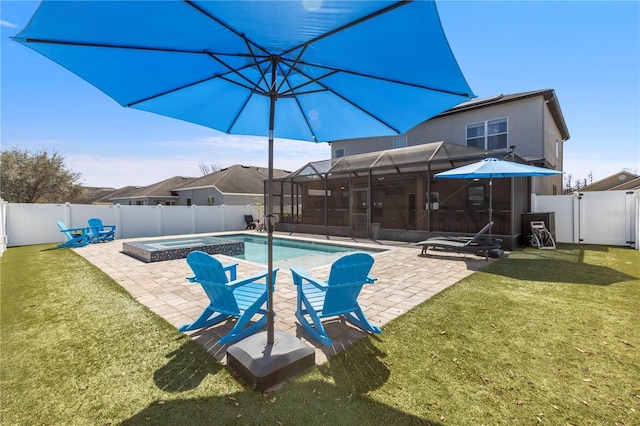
[[543, 336]]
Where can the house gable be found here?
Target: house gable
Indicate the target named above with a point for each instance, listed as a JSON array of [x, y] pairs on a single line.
[[617, 182]]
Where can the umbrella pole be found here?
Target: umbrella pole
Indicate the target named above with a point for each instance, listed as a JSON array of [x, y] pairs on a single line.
[[490, 206], [263, 363], [270, 217]]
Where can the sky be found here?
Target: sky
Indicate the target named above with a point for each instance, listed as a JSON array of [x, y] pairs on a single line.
[[587, 51]]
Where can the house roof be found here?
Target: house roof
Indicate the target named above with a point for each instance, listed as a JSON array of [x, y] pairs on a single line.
[[236, 179], [163, 189], [437, 155], [93, 195], [549, 96], [617, 182]]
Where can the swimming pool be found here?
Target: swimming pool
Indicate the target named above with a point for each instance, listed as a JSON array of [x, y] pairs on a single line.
[[290, 252], [253, 248]]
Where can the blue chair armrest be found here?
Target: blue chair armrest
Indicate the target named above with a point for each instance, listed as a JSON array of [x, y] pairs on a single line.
[[73, 230], [300, 274], [253, 278]]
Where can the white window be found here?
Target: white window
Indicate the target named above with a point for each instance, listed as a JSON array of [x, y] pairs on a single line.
[[210, 200], [400, 142], [489, 135], [338, 152]]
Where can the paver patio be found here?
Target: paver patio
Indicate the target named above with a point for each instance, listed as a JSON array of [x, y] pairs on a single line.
[[405, 280]]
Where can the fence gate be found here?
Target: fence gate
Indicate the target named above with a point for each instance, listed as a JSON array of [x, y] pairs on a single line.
[[606, 218], [603, 217]]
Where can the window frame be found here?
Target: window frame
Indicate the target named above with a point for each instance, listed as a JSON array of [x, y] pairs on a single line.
[[400, 142], [486, 137]]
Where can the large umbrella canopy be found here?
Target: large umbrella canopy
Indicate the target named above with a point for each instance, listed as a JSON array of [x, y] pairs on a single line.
[[337, 69], [342, 69], [490, 168]]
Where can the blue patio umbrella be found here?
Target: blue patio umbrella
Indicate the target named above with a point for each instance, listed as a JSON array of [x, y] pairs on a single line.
[[312, 70], [490, 168]]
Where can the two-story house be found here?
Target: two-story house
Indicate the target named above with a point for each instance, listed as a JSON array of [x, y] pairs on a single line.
[[385, 186]]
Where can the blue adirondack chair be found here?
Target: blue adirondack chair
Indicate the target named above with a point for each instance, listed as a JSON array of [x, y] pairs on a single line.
[[99, 232], [76, 237], [338, 296], [229, 297]]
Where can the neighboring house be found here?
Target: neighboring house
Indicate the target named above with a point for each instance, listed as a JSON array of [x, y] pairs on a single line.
[[94, 195], [385, 186], [622, 181], [159, 193], [235, 185]]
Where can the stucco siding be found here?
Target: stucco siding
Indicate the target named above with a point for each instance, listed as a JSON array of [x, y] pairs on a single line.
[[525, 129], [552, 141], [363, 145]]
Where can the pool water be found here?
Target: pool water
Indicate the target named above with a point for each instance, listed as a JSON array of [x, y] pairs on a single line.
[[287, 253]]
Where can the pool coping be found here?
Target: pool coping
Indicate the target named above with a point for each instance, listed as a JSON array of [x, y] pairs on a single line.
[[141, 251]]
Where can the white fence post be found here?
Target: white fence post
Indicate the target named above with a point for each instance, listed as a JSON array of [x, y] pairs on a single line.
[[159, 219], [3, 226], [118, 221], [192, 210], [577, 226]]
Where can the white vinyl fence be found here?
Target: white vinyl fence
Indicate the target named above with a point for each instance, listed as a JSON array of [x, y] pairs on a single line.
[[606, 217], [27, 224]]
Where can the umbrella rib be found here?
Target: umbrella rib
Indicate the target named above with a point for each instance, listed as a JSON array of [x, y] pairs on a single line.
[[106, 45], [352, 103], [385, 79], [351, 24], [212, 55], [237, 72], [252, 89], [166, 92], [255, 61], [224, 24], [291, 66], [235, 119]]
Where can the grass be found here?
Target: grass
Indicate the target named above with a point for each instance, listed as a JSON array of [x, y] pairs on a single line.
[[540, 337]]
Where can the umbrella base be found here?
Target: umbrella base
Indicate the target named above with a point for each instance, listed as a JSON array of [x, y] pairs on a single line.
[[264, 366]]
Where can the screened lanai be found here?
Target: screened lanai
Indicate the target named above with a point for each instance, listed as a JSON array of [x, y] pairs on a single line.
[[393, 194]]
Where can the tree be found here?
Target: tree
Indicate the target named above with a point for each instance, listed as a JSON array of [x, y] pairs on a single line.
[[570, 187], [39, 177], [207, 169]]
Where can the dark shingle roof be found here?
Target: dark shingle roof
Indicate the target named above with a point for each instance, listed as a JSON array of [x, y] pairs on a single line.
[[236, 179], [160, 189], [93, 195]]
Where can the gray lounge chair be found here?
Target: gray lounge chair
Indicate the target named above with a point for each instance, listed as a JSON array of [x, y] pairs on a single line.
[[475, 244]]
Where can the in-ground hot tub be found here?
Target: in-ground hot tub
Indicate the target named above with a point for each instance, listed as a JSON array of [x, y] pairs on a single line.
[[179, 248]]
